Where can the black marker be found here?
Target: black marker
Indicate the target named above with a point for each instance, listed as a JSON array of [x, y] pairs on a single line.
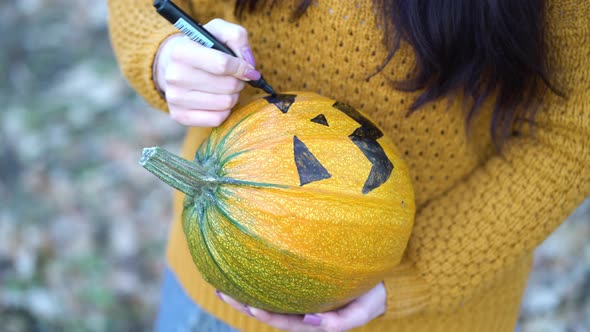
[[198, 33]]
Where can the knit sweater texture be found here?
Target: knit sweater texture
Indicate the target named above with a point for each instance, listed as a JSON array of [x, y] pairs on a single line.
[[479, 214]]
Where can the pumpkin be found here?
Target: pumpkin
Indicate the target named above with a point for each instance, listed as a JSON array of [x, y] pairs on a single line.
[[295, 204]]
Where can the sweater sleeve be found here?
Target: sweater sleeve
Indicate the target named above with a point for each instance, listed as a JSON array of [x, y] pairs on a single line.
[[137, 31], [463, 241]]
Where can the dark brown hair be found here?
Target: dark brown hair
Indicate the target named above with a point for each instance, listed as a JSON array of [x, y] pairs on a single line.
[[483, 48]]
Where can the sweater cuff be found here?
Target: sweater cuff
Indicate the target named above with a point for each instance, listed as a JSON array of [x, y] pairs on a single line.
[[407, 292]]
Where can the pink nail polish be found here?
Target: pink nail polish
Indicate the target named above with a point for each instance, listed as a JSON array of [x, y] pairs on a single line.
[[248, 55], [252, 74], [313, 320], [248, 311]]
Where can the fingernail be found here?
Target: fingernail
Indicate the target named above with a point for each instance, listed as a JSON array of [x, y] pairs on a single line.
[[248, 311], [218, 293], [313, 320], [248, 55], [252, 74]]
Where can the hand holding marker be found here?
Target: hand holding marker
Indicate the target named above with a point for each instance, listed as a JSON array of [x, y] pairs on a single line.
[[199, 34]]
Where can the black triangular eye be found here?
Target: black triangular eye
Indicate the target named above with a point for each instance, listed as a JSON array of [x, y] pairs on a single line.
[[282, 101], [321, 119], [365, 138], [308, 166]]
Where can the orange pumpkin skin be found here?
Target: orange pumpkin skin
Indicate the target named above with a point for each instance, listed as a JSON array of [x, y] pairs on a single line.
[[307, 205]]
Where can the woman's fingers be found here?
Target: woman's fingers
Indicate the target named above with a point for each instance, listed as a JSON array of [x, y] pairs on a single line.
[[357, 313], [233, 36], [200, 100], [283, 322], [235, 304], [213, 61], [198, 118], [188, 78], [294, 323], [201, 84]]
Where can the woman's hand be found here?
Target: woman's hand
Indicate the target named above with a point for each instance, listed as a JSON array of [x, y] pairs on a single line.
[[201, 84], [357, 313]]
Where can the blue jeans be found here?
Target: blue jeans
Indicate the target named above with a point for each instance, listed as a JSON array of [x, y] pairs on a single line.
[[178, 313]]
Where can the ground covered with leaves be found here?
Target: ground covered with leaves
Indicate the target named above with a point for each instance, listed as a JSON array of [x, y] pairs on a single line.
[[83, 226]]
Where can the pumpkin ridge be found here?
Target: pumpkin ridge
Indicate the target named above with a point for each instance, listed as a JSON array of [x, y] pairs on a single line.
[[219, 149], [250, 212], [254, 235], [233, 221], [246, 183], [241, 293], [254, 291], [374, 203], [200, 155], [265, 142], [231, 285], [221, 208], [232, 156], [202, 225], [268, 143]]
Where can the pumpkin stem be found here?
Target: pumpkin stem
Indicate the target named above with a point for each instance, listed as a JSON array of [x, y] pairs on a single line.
[[186, 176]]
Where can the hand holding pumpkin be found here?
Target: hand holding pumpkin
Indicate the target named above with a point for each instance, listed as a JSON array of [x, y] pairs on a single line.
[[355, 314], [201, 85]]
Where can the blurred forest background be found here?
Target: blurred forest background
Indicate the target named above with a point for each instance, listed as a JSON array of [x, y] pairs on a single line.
[[83, 226]]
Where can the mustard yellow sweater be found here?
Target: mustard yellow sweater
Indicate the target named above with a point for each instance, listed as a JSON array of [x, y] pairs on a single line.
[[479, 215]]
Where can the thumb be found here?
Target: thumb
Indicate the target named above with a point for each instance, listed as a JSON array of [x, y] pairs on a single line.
[[233, 36]]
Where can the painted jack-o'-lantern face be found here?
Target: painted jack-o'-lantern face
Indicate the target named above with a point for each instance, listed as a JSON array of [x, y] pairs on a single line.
[[364, 137], [304, 206], [323, 139]]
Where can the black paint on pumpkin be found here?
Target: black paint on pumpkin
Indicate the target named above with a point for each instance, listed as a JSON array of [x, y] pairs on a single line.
[[282, 101], [309, 167], [321, 119], [365, 138]]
